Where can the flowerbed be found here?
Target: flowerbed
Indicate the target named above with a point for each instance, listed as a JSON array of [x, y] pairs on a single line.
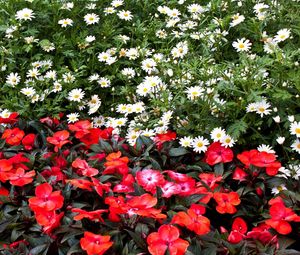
[[149, 127], [71, 188]]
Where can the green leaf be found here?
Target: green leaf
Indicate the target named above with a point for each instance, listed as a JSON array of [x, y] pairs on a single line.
[[219, 169], [237, 128], [38, 249], [176, 152], [138, 240]]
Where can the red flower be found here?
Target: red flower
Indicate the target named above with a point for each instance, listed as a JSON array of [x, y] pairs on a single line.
[[95, 244], [262, 234], [13, 136], [116, 163], [227, 202], [81, 128], [239, 174], [161, 138], [18, 160], [92, 215], [84, 168], [59, 139], [94, 134], [55, 172], [216, 153], [116, 206], [210, 179], [48, 219], [126, 185], [143, 206], [169, 189], [28, 141], [260, 159], [150, 179], [45, 199], [167, 238], [193, 220], [11, 119], [5, 167], [100, 187], [281, 216], [81, 183], [239, 229], [20, 178]]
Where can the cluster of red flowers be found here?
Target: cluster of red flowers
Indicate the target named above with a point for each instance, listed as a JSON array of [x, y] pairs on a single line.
[[128, 192]]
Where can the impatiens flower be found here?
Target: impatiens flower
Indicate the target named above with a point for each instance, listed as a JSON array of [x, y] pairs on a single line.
[[262, 234], [13, 136], [81, 184], [91, 215], [227, 202], [281, 216], [95, 244], [126, 185], [20, 178], [28, 141], [45, 199], [48, 219], [81, 128], [83, 168], [164, 137], [193, 220], [216, 153], [3, 192], [116, 163], [166, 239], [150, 179], [239, 174], [5, 168], [101, 188], [143, 206], [59, 139], [210, 179], [239, 229]]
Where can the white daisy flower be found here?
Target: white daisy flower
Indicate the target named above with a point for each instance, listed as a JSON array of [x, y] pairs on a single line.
[[28, 91], [5, 113], [68, 78], [260, 8], [186, 141], [73, 117], [237, 19], [98, 121], [33, 73], [57, 87], [282, 35], [104, 82], [295, 128], [109, 10], [180, 50], [199, 144], [104, 56], [129, 72], [125, 15], [262, 108], [278, 189], [51, 74], [13, 79], [25, 14], [76, 95], [117, 3], [91, 18], [194, 92], [296, 146], [265, 148], [149, 65], [242, 45], [217, 134], [65, 22], [227, 141]]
